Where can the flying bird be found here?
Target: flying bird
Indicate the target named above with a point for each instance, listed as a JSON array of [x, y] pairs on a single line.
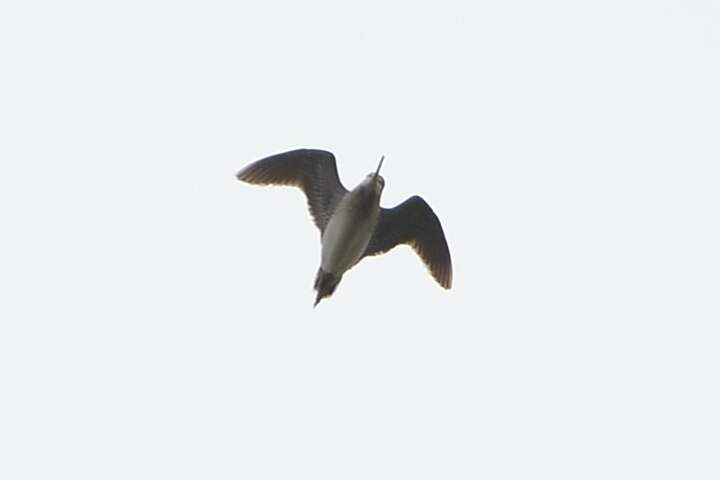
[[352, 223]]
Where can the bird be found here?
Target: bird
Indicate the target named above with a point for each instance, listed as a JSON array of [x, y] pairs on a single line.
[[352, 223]]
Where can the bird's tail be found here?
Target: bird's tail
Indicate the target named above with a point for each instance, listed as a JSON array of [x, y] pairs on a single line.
[[325, 284]]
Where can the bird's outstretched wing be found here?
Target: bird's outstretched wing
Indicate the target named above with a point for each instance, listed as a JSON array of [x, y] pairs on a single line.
[[314, 171], [414, 223]]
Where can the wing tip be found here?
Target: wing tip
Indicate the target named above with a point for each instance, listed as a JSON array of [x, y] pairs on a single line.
[[256, 175], [245, 173], [445, 278]]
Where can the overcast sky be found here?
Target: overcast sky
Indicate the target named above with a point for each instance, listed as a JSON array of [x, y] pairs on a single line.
[[156, 315]]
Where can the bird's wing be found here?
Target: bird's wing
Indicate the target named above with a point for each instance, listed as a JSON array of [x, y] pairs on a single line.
[[414, 223], [314, 171]]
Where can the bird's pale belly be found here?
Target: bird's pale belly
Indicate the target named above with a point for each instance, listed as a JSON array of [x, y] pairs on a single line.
[[345, 239]]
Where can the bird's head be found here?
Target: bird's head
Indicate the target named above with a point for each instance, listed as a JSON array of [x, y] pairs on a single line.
[[374, 180]]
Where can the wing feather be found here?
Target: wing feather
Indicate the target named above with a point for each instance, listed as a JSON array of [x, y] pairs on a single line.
[[414, 223], [313, 171]]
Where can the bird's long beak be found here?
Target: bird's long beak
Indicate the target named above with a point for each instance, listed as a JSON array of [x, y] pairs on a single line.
[[377, 172]]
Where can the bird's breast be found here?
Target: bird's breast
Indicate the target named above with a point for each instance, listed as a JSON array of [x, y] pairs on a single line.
[[347, 235]]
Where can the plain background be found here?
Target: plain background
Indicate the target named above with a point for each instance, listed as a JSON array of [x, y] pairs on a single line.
[[156, 314]]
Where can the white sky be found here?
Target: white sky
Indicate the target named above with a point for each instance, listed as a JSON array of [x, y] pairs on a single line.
[[156, 319]]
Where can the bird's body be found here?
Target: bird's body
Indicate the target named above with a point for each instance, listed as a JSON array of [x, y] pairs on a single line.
[[352, 223], [348, 233]]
